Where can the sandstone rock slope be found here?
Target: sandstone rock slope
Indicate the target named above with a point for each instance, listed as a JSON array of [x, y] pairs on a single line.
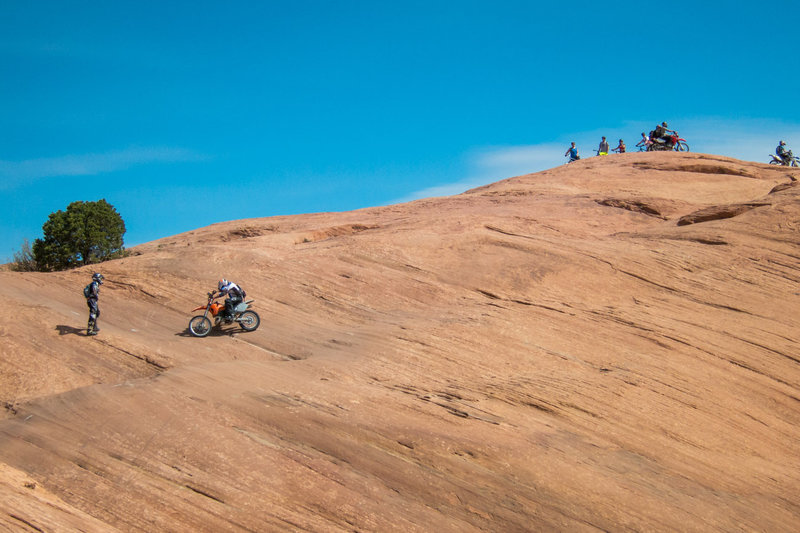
[[608, 345]]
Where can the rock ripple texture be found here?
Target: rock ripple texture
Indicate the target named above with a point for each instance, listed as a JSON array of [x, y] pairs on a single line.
[[610, 345]]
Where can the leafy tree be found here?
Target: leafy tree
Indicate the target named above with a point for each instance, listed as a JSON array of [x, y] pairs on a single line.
[[86, 233], [23, 259]]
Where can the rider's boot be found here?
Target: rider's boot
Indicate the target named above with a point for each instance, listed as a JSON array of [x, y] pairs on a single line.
[[91, 328]]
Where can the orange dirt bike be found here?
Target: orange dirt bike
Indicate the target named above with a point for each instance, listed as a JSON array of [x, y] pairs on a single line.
[[201, 325]]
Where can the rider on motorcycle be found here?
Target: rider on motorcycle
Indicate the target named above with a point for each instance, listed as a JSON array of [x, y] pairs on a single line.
[[644, 143], [784, 153], [235, 297], [662, 132]]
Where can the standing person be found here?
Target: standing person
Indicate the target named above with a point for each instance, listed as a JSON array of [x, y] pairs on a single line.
[[235, 297], [572, 152], [603, 148], [620, 147], [644, 143], [92, 293]]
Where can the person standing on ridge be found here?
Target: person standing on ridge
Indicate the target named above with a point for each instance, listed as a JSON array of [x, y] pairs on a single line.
[[642, 145], [92, 293], [235, 297], [572, 152], [620, 147], [603, 148]]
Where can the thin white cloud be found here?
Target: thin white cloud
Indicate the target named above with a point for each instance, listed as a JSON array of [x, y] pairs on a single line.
[[15, 172], [487, 165], [447, 189], [492, 164], [505, 162], [745, 139]]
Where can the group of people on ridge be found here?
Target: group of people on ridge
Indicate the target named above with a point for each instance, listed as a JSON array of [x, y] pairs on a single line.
[[662, 134], [661, 131], [235, 296]]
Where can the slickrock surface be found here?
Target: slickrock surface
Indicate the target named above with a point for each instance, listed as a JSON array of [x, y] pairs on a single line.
[[609, 345]]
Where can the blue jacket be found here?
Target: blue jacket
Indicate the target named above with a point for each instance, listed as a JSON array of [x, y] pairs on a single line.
[[94, 290]]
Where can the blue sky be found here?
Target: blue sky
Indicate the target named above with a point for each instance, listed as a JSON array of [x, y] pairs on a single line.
[[182, 114]]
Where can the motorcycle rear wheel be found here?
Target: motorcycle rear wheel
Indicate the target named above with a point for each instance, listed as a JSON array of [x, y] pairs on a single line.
[[249, 321], [199, 326]]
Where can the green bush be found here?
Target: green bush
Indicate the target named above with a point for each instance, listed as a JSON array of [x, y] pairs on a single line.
[[86, 233]]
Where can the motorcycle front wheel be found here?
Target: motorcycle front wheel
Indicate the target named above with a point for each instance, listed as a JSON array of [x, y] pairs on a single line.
[[682, 147], [249, 321], [199, 326], [774, 162]]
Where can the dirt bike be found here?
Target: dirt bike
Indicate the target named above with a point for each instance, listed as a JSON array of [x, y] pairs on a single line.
[[673, 142], [792, 160], [201, 325]]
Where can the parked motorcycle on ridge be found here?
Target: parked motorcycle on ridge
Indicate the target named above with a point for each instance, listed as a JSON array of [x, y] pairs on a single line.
[[791, 161], [201, 325], [665, 144]]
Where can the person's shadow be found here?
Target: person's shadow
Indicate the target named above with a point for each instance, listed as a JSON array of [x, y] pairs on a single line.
[[69, 330]]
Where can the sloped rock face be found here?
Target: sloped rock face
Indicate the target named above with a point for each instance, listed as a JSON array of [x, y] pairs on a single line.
[[555, 351]]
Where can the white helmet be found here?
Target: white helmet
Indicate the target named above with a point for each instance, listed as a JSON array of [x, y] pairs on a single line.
[[222, 283]]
